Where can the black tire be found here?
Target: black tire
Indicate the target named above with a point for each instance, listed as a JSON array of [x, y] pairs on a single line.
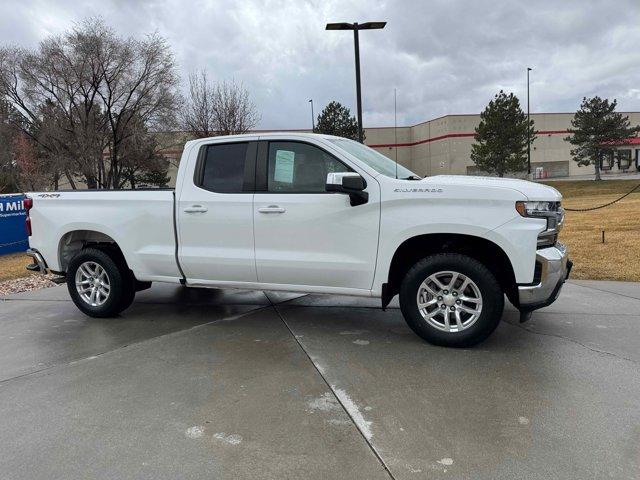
[[492, 300], [128, 289], [118, 283]]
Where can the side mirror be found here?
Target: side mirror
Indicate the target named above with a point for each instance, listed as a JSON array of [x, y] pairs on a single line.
[[350, 183]]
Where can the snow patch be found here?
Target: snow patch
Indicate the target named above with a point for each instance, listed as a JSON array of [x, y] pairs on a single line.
[[339, 421], [325, 403], [354, 412], [523, 421], [318, 365], [195, 432], [231, 439], [446, 461], [361, 342]]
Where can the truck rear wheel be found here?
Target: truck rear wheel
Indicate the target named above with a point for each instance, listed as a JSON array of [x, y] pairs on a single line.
[[98, 284], [451, 300]]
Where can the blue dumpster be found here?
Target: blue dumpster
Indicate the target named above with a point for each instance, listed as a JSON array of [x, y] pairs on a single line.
[[13, 234]]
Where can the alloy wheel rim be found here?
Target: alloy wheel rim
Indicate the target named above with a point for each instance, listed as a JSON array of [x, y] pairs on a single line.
[[449, 301], [92, 283]]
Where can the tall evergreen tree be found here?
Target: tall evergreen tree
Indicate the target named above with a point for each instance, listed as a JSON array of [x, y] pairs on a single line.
[[336, 120], [597, 128], [501, 137]]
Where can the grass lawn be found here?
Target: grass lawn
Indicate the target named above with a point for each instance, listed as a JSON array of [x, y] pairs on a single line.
[[619, 257], [13, 266]]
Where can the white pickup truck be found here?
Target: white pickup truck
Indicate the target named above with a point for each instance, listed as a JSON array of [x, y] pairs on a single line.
[[315, 214]]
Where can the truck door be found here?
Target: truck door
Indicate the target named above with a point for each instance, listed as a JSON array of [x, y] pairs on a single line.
[[215, 215], [305, 235]]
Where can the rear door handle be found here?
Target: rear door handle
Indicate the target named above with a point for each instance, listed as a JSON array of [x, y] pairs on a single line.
[[195, 209], [272, 209]]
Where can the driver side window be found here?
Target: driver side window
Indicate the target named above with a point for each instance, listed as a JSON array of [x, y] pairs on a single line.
[[296, 167]]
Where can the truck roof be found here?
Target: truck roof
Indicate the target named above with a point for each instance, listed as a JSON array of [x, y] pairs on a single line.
[[266, 134]]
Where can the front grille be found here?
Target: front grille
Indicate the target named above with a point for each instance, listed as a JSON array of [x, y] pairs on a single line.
[[555, 221]]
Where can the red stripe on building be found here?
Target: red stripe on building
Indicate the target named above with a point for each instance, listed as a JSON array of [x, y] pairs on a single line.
[[451, 135]]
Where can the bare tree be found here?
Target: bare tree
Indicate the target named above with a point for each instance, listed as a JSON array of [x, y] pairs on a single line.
[[139, 85], [57, 80], [235, 113], [77, 94], [222, 108], [9, 181], [197, 116], [140, 160]]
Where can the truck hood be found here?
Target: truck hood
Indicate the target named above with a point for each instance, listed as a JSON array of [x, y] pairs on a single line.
[[531, 190]]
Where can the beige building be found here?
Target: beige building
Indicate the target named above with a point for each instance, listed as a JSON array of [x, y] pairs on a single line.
[[443, 146]]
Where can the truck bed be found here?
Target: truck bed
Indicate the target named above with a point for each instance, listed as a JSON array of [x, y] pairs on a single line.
[[140, 221]]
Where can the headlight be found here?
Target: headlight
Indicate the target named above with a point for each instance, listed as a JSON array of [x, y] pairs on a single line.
[[552, 212], [537, 209]]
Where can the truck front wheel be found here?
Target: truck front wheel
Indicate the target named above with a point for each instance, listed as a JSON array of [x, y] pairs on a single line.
[[451, 300], [98, 284]]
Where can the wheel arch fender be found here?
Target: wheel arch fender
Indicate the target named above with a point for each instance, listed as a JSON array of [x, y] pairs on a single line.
[[487, 247], [75, 237]]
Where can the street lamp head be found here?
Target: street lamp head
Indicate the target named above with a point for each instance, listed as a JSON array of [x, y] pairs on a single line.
[[371, 25], [529, 69], [355, 26], [339, 26]]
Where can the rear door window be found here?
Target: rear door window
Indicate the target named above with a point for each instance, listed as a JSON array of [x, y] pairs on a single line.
[[224, 167]]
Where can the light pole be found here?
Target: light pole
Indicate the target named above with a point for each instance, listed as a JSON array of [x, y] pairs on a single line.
[[313, 122], [356, 27], [528, 128]]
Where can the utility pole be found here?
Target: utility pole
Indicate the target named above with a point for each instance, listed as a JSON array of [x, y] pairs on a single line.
[[356, 43], [528, 129], [356, 27], [313, 121]]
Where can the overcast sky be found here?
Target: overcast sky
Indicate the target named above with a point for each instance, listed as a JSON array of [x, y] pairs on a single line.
[[443, 57]]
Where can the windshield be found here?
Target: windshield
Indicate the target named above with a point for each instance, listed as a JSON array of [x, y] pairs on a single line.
[[375, 160]]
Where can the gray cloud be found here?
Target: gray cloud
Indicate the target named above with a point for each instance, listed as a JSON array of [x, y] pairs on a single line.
[[442, 56]]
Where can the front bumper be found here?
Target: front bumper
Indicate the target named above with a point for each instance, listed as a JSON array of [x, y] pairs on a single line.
[[555, 267]]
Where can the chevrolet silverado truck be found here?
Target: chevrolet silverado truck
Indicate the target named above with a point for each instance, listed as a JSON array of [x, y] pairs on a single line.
[[315, 214]]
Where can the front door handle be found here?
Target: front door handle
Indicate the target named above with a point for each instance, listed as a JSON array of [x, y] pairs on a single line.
[[272, 209], [195, 209]]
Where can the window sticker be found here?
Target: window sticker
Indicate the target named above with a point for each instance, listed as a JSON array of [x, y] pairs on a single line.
[[284, 166]]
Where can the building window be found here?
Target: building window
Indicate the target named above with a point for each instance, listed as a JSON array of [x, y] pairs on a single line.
[[607, 162], [624, 159]]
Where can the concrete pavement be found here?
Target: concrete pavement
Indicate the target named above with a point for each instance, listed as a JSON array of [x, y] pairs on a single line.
[[230, 384]]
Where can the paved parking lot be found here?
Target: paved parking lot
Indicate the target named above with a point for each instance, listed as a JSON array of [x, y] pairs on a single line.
[[230, 384]]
